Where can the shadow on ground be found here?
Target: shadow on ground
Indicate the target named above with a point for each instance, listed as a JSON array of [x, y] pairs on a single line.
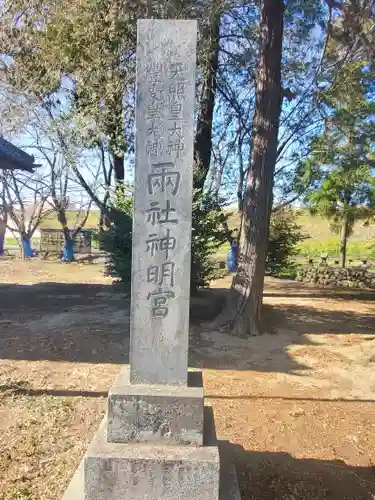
[[280, 476], [90, 323], [312, 320], [16, 388]]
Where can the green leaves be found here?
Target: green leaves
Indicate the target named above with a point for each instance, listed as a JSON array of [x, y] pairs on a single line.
[[340, 172]]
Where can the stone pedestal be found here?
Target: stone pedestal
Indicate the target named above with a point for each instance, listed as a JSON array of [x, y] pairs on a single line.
[[117, 471], [146, 471], [156, 413]]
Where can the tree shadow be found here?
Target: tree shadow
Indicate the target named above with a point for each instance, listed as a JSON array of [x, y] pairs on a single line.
[[312, 320], [74, 322], [284, 324], [89, 323], [280, 476], [64, 322]]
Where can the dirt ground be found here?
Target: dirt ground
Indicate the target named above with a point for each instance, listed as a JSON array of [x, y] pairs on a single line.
[[297, 402]]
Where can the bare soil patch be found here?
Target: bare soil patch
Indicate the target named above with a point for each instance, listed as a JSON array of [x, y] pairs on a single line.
[[297, 402]]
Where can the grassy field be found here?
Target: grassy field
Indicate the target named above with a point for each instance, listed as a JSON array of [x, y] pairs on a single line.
[[74, 218], [321, 240]]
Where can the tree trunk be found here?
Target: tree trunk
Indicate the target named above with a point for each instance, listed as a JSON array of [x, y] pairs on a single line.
[[104, 221], [343, 240], [241, 177], [241, 172], [26, 250], [2, 235], [61, 217], [68, 254], [203, 136], [244, 306], [119, 169], [115, 133]]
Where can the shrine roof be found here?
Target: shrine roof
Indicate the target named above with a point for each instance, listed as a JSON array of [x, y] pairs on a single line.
[[13, 158]]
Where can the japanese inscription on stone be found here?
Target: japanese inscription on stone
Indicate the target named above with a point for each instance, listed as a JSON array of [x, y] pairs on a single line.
[[166, 58]]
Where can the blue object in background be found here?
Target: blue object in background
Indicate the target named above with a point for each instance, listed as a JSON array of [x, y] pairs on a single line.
[[27, 250], [1, 245], [232, 257], [68, 252]]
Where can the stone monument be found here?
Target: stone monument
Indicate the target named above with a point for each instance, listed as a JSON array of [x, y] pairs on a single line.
[[157, 441]]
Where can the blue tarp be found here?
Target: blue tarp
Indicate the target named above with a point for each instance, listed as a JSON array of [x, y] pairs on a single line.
[[68, 252], [27, 250], [232, 257]]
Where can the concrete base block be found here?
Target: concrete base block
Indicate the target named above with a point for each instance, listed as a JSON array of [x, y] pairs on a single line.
[[117, 471], [229, 489], [155, 472], [156, 413]]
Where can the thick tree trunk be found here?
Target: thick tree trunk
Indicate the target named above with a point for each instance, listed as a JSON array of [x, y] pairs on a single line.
[[244, 306], [203, 137], [343, 240]]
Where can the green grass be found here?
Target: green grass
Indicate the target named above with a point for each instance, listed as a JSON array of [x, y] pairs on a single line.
[[318, 228], [321, 240], [356, 250], [12, 242], [74, 218]]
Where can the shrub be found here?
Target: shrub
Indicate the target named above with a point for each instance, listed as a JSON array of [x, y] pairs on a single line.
[[117, 241], [209, 232], [283, 239]]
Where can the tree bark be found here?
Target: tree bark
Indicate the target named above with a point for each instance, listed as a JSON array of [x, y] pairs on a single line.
[[2, 235], [241, 176], [203, 136], [343, 240], [119, 169], [104, 221], [244, 306], [61, 217]]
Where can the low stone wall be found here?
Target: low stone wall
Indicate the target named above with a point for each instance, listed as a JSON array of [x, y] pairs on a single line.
[[337, 277]]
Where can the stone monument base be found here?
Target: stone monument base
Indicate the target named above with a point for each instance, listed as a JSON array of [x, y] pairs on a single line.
[[156, 413], [229, 489], [140, 471]]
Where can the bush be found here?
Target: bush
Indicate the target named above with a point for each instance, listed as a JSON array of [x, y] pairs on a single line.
[[283, 239], [117, 241], [208, 235]]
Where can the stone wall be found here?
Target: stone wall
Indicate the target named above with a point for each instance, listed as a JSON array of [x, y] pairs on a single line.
[[337, 277]]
